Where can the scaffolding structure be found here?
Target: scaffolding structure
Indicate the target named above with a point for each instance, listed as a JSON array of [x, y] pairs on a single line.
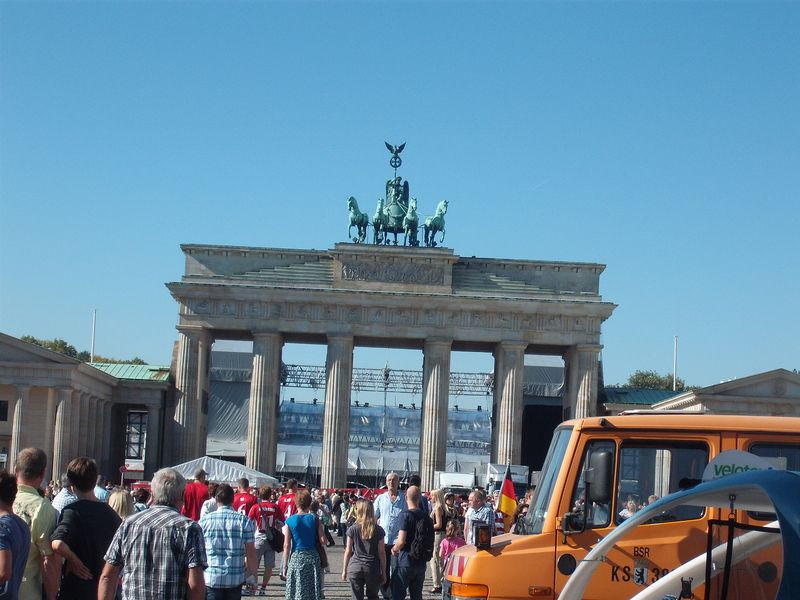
[[404, 381]]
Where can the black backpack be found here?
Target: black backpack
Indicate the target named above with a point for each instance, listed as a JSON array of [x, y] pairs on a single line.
[[422, 545]]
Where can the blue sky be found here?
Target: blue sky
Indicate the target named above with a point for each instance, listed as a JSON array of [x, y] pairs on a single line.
[[660, 139]]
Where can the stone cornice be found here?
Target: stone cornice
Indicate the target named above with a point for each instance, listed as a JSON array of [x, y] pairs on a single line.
[[309, 314], [677, 402], [340, 248], [366, 267], [219, 294], [80, 378]]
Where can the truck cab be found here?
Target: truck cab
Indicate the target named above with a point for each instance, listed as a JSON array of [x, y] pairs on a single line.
[[597, 472]]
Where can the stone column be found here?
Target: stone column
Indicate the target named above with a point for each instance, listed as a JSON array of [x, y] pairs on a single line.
[[152, 440], [262, 415], [22, 396], [435, 402], [509, 374], [191, 394], [93, 429], [581, 393], [82, 443], [204, 343], [62, 444], [102, 434], [106, 425], [49, 432], [336, 423]]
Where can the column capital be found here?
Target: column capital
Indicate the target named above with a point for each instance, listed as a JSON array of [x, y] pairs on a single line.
[[265, 334], [439, 341], [588, 347], [196, 333], [339, 337], [519, 345], [23, 390]]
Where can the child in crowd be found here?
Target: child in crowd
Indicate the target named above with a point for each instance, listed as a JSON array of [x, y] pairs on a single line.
[[453, 539]]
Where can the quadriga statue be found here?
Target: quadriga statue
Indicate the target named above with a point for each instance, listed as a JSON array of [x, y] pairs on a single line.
[[357, 219], [435, 224]]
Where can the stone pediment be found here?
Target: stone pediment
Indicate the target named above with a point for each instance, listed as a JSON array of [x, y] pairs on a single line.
[[779, 383], [13, 350]]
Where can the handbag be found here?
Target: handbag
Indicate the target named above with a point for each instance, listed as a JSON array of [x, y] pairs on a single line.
[[323, 554], [276, 539]]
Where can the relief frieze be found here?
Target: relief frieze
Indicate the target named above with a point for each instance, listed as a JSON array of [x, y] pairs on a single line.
[[390, 317], [255, 309], [201, 307], [385, 272], [226, 309], [403, 316]]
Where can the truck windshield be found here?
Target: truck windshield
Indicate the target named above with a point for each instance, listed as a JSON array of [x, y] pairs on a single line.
[[537, 511]]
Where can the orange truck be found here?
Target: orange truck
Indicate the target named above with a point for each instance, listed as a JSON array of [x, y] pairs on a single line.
[[599, 470]]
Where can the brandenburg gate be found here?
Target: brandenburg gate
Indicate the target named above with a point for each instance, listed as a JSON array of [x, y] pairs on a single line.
[[356, 294]]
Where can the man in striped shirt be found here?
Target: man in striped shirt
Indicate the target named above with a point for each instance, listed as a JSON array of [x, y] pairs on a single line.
[[159, 552], [230, 546]]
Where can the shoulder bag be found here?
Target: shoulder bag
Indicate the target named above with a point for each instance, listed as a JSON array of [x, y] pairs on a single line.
[[323, 554]]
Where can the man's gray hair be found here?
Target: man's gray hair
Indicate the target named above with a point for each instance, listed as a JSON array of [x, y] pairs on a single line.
[[168, 486], [64, 480]]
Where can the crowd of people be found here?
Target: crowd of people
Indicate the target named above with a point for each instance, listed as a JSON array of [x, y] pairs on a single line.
[[80, 538]]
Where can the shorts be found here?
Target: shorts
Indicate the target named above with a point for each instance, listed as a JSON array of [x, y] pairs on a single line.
[[265, 551]]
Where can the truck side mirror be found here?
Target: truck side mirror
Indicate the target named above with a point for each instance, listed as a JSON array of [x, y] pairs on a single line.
[[598, 477], [573, 522], [482, 535]]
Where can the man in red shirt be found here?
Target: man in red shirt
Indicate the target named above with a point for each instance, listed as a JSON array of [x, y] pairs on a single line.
[[195, 494], [243, 501], [267, 517], [286, 502]]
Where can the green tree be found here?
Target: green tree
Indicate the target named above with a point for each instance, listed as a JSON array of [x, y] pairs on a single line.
[[104, 359], [67, 349], [654, 381], [61, 346]]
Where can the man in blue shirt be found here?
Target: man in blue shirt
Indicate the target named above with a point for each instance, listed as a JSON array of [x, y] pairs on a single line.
[[409, 572], [230, 548], [15, 539], [424, 505], [388, 507], [100, 491]]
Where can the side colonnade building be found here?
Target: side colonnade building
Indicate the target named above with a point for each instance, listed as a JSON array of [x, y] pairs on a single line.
[[381, 296], [69, 408]]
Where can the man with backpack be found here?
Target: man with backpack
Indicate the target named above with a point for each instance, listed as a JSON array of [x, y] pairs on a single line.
[[413, 548], [268, 520]]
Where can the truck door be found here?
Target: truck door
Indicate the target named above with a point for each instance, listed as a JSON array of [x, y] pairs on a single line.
[[759, 575], [646, 468]]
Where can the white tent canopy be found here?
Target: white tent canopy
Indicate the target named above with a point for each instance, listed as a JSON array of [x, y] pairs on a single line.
[[224, 471]]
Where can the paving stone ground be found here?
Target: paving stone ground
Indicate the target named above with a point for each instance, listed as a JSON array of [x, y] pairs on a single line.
[[335, 588]]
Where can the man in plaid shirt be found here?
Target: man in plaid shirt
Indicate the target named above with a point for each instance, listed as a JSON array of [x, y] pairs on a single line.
[[231, 549], [160, 553]]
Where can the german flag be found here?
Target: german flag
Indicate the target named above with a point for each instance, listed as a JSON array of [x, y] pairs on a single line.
[[507, 503]]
